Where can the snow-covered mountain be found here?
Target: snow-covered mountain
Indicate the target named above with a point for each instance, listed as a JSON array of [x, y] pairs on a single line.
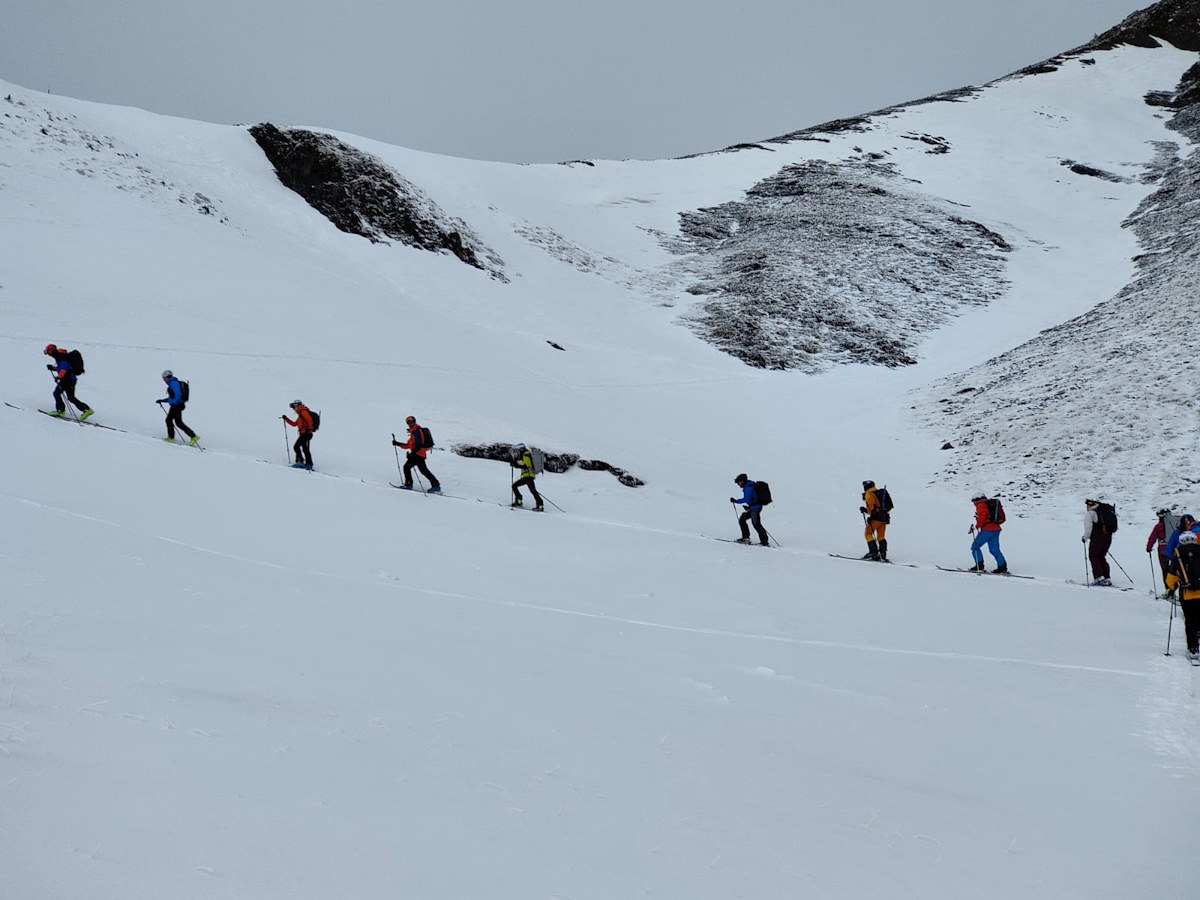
[[220, 677]]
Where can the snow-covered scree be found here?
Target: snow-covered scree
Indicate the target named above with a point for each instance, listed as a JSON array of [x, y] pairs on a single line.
[[220, 677]]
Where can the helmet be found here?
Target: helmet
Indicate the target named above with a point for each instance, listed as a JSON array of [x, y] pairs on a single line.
[[978, 495], [520, 448], [167, 373], [867, 485], [1187, 517], [741, 479], [411, 420], [1188, 537], [296, 403], [50, 350]]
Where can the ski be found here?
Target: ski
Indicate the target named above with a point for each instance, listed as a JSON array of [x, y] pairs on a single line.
[[735, 541], [428, 493], [75, 421], [886, 561], [1086, 584], [969, 572]]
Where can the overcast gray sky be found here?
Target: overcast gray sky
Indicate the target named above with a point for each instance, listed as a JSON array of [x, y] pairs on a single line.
[[533, 80]]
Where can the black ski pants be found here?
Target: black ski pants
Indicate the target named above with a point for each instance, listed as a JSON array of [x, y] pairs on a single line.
[[1191, 622], [67, 386], [413, 458], [527, 481], [175, 417], [754, 516], [303, 453]]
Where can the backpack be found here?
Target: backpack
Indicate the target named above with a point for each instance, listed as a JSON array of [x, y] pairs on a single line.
[[1171, 523], [316, 418], [1107, 514], [763, 491], [422, 439], [885, 499], [184, 392], [995, 511], [75, 358], [1189, 563], [538, 458]]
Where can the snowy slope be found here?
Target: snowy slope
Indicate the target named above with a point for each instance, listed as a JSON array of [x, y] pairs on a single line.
[[223, 678]]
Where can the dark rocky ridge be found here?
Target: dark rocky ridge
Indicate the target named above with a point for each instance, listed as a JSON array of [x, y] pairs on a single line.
[[361, 195]]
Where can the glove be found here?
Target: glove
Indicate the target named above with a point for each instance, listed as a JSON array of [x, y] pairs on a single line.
[[733, 500], [863, 510], [395, 443], [1084, 539], [50, 368]]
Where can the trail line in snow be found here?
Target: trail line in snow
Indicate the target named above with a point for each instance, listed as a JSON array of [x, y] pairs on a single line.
[[394, 584]]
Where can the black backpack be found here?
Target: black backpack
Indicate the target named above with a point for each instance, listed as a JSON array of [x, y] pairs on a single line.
[[184, 392], [75, 358], [995, 511], [885, 499], [763, 491], [1107, 514], [1189, 563], [316, 418], [422, 438]]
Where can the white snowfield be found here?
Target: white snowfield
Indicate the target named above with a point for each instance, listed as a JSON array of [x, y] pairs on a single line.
[[223, 678]]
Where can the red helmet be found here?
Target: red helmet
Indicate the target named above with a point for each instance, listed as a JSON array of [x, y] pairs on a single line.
[[50, 350]]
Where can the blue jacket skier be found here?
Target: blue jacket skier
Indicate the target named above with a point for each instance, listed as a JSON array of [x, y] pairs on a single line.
[[175, 408], [65, 376], [753, 511]]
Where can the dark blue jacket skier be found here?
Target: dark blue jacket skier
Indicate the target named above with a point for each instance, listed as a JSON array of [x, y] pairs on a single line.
[[176, 405], [753, 512]]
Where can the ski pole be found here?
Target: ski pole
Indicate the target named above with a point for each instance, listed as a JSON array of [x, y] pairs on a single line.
[[421, 482], [287, 456], [551, 502], [1086, 580], [1170, 622], [397, 454], [770, 536], [1153, 589], [1121, 567]]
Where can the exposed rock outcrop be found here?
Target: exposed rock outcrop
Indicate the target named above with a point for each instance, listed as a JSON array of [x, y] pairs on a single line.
[[555, 462], [362, 195]]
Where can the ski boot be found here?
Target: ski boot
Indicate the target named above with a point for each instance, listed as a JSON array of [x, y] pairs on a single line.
[[59, 414], [436, 489], [882, 550], [87, 412], [517, 502], [194, 441], [744, 540], [539, 508], [1000, 570], [872, 551], [168, 440], [978, 567]]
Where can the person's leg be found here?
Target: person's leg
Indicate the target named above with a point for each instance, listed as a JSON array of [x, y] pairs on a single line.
[[537, 498], [1104, 542], [993, 543], [306, 439], [59, 405], [872, 544], [756, 518], [177, 412], [1191, 623], [976, 548], [410, 460], [881, 537], [742, 520], [433, 482], [1165, 565], [172, 415], [296, 448]]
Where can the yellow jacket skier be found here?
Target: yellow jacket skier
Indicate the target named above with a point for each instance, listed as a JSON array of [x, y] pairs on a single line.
[[876, 518]]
